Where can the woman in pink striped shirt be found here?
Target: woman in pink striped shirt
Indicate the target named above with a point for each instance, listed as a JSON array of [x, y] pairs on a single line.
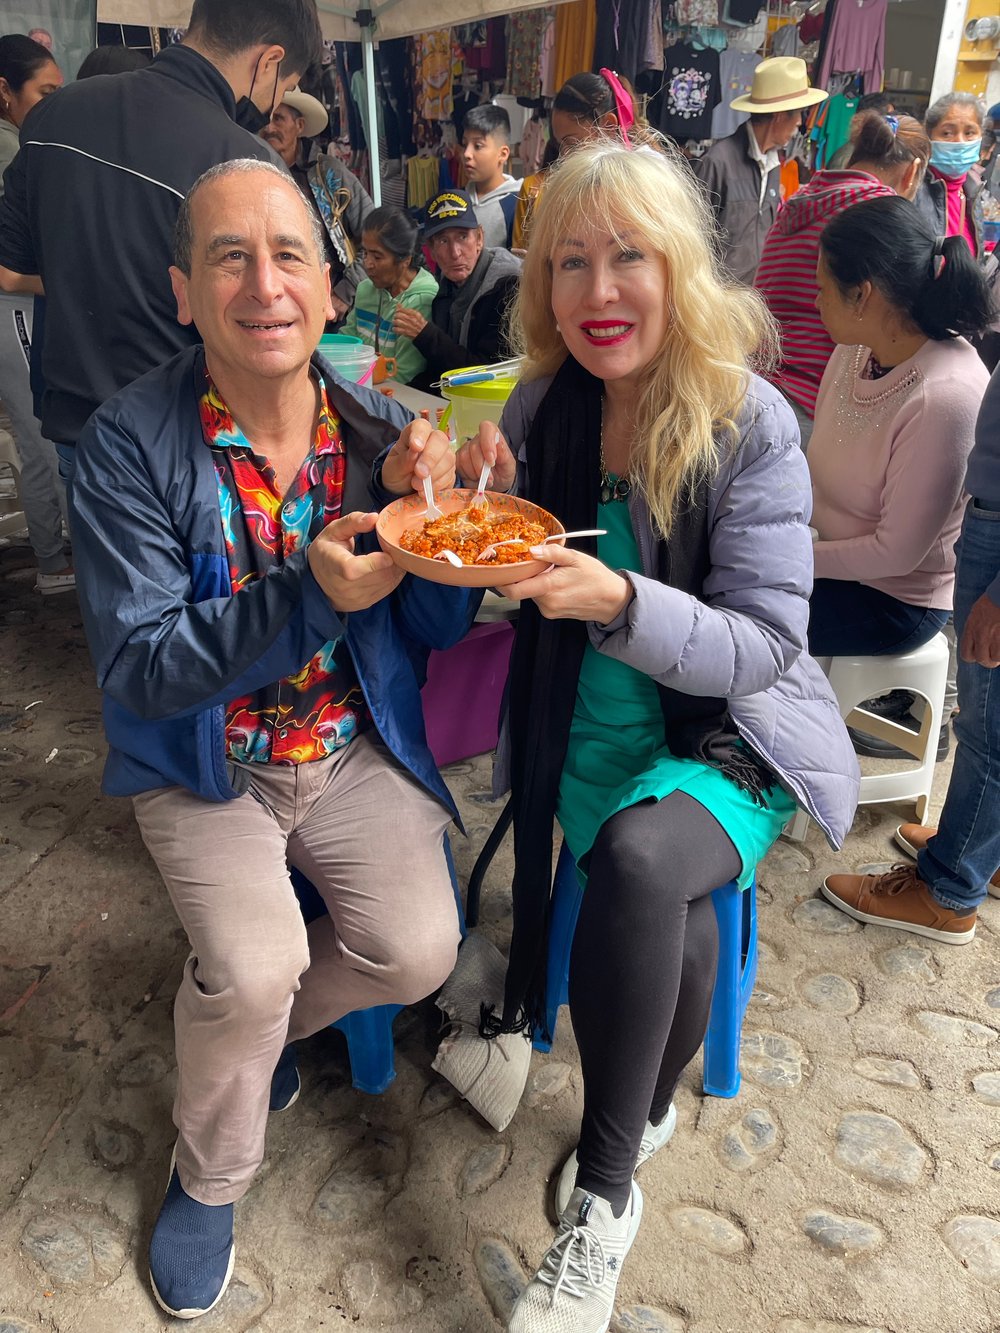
[[889, 156]]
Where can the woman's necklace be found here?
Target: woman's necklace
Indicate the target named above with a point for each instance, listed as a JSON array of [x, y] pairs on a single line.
[[612, 487]]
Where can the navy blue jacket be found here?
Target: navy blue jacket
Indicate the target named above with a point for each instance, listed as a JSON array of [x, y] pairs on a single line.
[[173, 646]]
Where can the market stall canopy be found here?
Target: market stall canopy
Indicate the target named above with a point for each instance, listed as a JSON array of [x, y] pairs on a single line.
[[392, 18]]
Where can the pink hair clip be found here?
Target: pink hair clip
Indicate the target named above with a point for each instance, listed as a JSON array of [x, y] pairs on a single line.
[[624, 107]]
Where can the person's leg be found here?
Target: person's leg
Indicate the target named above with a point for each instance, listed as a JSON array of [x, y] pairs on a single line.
[[371, 841], [648, 864], [694, 1002], [847, 618], [225, 870], [42, 494], [959, 861]]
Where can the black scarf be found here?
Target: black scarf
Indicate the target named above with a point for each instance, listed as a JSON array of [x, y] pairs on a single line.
[[563, 464]]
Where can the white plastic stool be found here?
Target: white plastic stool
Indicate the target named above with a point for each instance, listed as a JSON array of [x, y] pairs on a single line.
[[924, 672]]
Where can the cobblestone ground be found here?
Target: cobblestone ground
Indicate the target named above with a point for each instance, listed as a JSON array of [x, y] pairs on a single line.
[[852, 1185]]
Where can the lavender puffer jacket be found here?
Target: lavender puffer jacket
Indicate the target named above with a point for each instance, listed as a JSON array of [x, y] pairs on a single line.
[[745, 640]]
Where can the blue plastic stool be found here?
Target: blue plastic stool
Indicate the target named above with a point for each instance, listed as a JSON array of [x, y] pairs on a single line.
[[736, 911], [370, 1045]]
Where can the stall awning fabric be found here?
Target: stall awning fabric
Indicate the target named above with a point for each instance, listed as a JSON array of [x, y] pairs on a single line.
[[393, 18]]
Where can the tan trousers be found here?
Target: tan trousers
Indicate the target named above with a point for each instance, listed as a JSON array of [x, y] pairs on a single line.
[[371, 840]]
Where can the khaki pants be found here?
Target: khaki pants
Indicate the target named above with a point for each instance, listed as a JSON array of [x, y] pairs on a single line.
[[371, 841]]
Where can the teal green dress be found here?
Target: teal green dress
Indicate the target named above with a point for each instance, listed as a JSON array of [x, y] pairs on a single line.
[[616, 755]]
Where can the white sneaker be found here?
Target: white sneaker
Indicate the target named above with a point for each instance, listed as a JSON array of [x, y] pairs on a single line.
[[653, 1139], [574, 1290], [50, 584]]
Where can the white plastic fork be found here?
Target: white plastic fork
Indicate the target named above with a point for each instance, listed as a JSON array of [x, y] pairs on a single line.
[[432, 510], [484, 477], [491, 550], [451, 558]]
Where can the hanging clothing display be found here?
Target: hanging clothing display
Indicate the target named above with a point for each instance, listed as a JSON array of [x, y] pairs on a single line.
[[735, 78], [652, 54], [690, 92], [786, 41], [832, 126], [744, 12], [576, 30], [620, 37], [696, 13], [432, 75], [525, 35], [855, 42], [534, 137]]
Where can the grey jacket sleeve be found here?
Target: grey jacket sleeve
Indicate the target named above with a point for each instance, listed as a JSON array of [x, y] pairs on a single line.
[[751, 623]]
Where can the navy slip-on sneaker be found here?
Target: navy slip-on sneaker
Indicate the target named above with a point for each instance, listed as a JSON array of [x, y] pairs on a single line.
[[191, 1253], [285, 1081]]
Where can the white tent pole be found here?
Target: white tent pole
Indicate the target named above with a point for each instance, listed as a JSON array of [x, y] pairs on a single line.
[[368, 59]]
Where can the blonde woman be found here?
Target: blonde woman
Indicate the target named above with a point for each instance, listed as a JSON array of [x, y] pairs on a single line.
[[662, 706]]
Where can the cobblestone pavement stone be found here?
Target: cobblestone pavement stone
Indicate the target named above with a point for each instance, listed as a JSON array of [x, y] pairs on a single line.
[[850, 1188]]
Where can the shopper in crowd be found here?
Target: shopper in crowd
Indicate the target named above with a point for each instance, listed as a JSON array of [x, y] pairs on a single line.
[[27, 74], [476, 287], [894, 427], [116, 156], [889, 155], [485, 154], [396, 280], [880, 102], [742, 172], [334, 193], [253, 653], [662, 705], [587, 107], [112, 60], [949, 199], [956, 863]]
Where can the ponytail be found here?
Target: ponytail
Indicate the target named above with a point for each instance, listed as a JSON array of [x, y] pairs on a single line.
[[933, 282]]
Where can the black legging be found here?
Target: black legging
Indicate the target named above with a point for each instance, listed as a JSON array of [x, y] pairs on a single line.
[[641, 975]]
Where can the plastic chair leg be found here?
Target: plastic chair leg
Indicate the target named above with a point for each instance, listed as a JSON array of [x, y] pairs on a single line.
[[566, 899], [370, 1046], [736, 913]]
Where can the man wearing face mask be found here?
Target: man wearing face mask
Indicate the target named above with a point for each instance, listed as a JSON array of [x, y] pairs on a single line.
[[90, 201], [950, 197]]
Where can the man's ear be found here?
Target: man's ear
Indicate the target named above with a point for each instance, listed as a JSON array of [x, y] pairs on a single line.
[[329, 311], [504, 154], [179, 283]]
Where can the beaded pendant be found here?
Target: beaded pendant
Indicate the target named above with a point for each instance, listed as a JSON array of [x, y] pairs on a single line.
[[614, 488]]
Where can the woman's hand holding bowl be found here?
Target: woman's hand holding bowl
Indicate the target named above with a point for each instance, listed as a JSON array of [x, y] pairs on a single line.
[[577, 587]]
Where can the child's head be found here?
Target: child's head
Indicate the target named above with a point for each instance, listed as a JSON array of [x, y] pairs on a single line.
[[486, 143]]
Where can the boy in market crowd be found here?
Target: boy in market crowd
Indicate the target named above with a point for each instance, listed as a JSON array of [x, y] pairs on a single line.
[[486, 145]]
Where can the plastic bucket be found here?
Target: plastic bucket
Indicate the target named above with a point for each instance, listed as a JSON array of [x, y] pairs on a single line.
[[354, 362], [330, 342], [473, 403]]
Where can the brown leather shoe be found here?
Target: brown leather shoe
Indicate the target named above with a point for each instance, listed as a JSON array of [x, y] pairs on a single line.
[[914, 838], [900, 900]]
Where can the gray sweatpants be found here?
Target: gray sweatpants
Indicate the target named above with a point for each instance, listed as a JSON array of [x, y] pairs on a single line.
[[371, 841], [43, 496]]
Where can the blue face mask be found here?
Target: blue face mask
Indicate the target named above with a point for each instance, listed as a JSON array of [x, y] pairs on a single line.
[[954, 159]]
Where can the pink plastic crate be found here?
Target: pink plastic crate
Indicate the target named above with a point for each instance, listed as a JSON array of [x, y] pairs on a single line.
[[463, 692]]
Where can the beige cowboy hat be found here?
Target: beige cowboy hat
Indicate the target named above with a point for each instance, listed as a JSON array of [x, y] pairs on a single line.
[[310, 108], [779, 84]]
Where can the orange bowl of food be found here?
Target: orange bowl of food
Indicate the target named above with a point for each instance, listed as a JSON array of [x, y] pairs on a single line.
[[471, 533]]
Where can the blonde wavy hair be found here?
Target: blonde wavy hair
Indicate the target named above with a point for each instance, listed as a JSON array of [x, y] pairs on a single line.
[[692, 390]]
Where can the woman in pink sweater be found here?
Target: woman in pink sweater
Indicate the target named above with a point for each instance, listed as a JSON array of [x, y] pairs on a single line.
[[895, 421], [889, 156]]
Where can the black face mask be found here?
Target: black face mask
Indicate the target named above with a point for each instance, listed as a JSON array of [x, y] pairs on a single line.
[[248, 115]]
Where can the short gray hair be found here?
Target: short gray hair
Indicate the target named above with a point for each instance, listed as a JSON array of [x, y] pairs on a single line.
[[184, 227], [937, 111]]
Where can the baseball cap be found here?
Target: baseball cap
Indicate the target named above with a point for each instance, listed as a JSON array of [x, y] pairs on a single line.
[[451, 208]]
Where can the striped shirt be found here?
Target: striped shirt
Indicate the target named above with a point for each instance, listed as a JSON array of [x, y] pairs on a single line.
[[786, 277]]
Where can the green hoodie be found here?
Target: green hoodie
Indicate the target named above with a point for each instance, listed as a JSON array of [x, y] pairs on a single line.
[[371, 315]]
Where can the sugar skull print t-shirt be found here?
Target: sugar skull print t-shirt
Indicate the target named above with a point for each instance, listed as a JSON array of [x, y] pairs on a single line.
[[690, 92]]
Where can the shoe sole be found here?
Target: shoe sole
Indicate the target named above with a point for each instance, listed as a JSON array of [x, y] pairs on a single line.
[[911, 928], [992, 889], [192, 1314]]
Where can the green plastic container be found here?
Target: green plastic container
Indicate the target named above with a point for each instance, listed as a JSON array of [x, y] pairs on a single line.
[[473, 403], [331, 341]]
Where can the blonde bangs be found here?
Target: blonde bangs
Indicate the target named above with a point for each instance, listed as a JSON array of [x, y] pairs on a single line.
[[692, 392]]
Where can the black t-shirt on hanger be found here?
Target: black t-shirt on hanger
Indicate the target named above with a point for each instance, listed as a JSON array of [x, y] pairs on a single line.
[[690, 92]]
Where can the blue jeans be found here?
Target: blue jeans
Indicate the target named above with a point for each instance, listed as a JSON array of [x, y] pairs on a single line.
[[962, 857], [848, 619], [66, 454]]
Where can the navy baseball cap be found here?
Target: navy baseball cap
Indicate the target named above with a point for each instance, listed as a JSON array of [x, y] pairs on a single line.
[[451, 208]]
